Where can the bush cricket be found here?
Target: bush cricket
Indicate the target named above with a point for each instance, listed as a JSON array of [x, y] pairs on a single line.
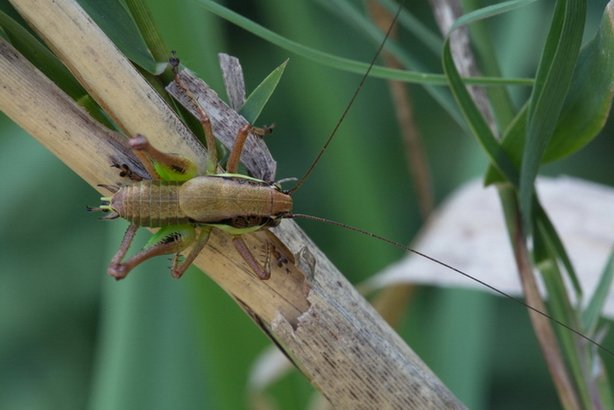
[[177, 200]]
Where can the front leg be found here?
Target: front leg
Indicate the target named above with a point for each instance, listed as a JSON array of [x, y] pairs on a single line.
[[232, 166]]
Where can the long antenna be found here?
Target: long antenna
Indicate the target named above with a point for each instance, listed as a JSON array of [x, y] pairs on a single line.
[[507, 295], [347, 109]]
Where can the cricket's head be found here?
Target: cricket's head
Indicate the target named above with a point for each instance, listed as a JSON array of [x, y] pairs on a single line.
[[281, 203]]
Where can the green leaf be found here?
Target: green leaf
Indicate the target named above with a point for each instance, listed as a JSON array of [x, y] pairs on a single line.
[[513, 143], [484, 46], [350, 12], [586, 105], [592, 313], [558, 249], [559, 305], [588, 101], [345, 64], [498, 157], [488, 11], [408, 59], [149, 30], [431, 39], [552, 83], [258, 98], [319, 56], [39, 55]]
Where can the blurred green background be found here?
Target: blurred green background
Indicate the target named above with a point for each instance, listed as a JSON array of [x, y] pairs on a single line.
[[71, 337]]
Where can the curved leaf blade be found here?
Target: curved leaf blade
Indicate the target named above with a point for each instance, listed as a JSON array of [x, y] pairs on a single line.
[[589, 98], [258, 98], [498, 157], [552, 83]]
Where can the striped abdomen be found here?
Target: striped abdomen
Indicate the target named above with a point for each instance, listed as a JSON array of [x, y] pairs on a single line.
[[151, 203]]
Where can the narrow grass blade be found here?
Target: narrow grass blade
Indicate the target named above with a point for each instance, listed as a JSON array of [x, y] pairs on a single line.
[[488, 11], [560, 307], [498, 157], [258, 98], [592, 313], [345, 64], [552, 83]]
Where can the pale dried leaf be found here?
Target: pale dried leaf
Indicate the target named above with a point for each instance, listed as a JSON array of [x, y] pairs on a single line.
[[469, 233], [233, 80]]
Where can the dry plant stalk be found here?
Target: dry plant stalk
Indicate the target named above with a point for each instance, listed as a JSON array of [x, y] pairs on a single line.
[[315, 315]]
